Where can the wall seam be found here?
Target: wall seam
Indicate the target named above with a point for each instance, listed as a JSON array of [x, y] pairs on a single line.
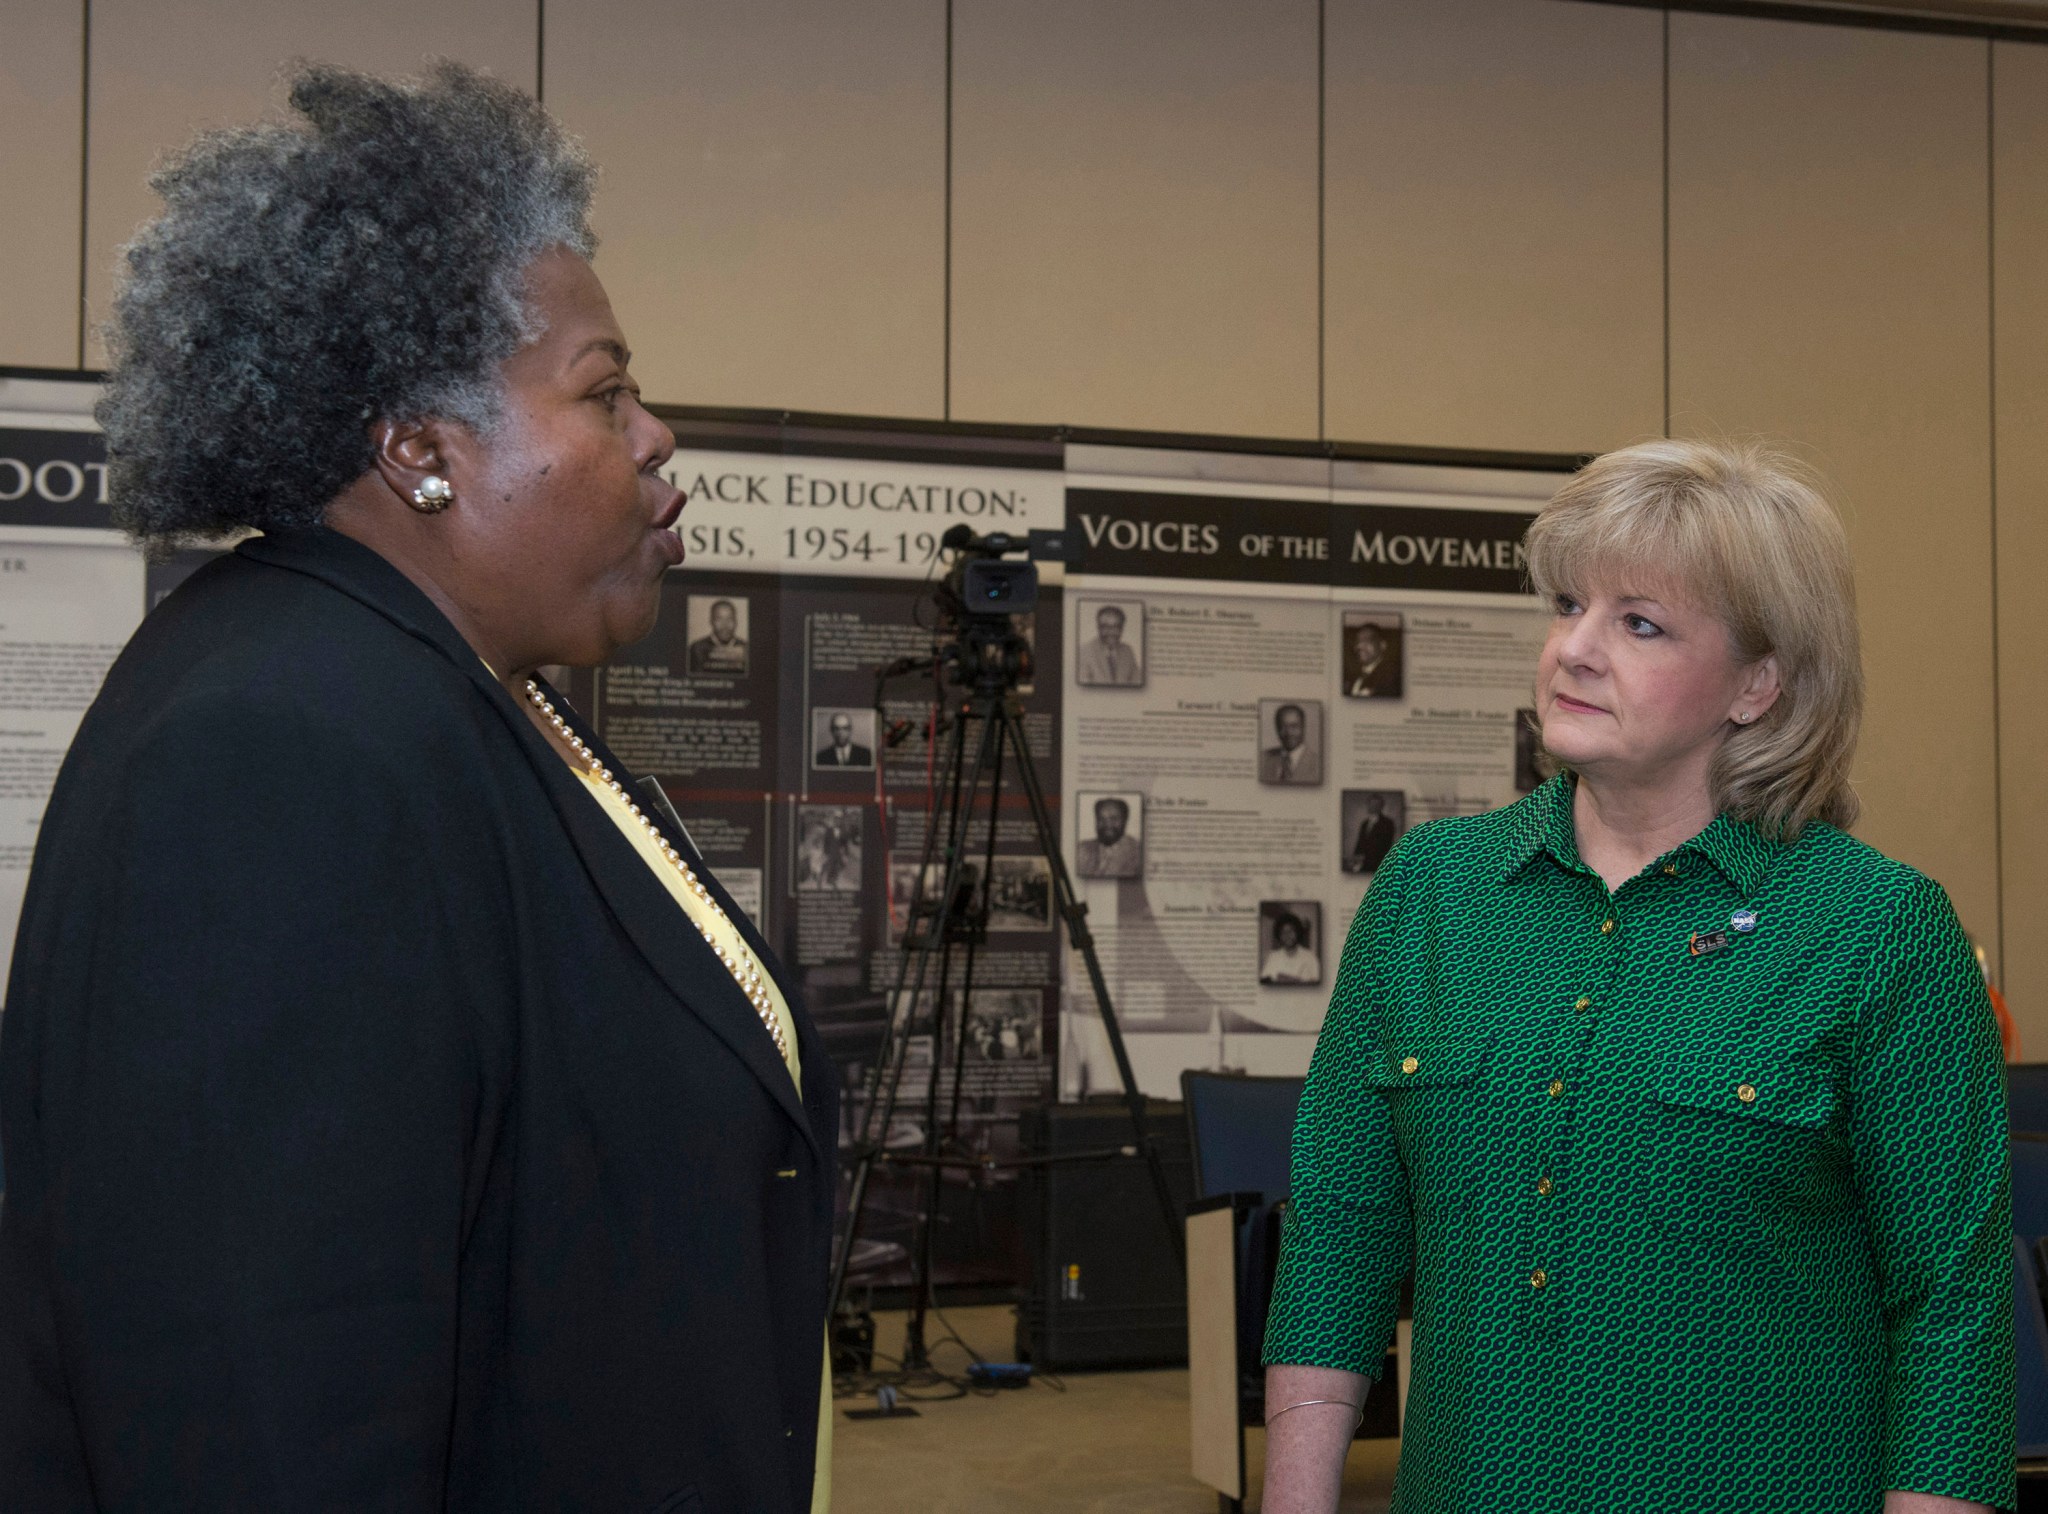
[[84, 166], [540, 50], [1991, 351], [1322, 219], [1667, 222], [946, 281]]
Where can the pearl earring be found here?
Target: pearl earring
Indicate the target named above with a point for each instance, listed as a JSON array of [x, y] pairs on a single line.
[[434, 495]]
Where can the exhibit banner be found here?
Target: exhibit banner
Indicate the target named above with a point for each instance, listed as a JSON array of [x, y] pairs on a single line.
[[1279, 665], [72, 591]]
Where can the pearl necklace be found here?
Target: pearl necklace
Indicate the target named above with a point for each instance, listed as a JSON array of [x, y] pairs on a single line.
[[739, 962]]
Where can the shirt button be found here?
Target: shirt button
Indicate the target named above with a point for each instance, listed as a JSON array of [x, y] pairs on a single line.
[[1584, 1003], [1538, 1278], [1557, 1089], [1746, 1094], [1607, 926], [1671, 870], [1409, 1064], [1543, 1187]]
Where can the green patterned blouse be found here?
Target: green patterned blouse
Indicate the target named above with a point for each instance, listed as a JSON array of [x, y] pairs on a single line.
[[1703, 1182]]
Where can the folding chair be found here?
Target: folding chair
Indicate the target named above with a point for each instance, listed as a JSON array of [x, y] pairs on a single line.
[[2026, 1096], [1241, 1132]]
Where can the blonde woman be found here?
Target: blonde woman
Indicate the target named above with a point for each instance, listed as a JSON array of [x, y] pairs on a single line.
[[1684, 1107]]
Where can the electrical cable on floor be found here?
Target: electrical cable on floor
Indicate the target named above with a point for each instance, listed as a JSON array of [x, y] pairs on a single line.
[[902, 1381]]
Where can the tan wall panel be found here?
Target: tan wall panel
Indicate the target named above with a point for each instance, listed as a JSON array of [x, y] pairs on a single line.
[[162, 69], [1134, 214], [1494, 224], [1829, 287], [773, 206], [2020, 272], [42, 85]]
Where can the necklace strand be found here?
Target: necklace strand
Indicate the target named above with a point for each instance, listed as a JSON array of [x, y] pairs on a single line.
[[746, 972]]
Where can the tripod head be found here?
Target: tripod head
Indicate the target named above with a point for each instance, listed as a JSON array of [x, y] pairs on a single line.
[[977, 598]]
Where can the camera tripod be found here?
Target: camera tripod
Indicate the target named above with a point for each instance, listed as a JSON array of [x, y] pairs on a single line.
[[988, 662]]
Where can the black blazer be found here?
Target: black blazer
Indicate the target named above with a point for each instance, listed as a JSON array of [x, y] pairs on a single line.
[[379, 1134]]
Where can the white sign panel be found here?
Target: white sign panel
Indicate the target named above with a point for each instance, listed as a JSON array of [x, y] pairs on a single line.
[[847, 517]]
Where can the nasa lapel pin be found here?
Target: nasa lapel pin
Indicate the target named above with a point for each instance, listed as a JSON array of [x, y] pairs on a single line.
[[1743, 920]]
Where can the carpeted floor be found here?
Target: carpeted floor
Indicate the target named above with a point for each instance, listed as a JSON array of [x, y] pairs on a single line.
[[1114, 1442]]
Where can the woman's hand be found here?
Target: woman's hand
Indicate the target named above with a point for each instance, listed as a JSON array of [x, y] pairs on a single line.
[[1898, 1501], [1305, 1449]]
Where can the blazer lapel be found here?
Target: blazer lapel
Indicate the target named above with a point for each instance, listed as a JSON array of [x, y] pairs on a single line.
[[651, 917], [654, 920], [812, 1053]]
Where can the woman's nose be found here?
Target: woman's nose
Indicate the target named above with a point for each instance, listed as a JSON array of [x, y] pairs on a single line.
[[1580, 645], [656, 443]]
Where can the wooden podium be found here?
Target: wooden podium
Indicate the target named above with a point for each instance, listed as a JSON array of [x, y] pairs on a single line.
[[1219, 1404]]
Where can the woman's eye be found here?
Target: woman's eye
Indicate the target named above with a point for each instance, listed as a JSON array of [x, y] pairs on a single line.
[[1566, 605], [1637, 626]]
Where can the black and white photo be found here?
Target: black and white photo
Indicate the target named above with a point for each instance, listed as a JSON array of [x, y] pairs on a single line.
[[1371, 822], [829, 847], [716, 625], [1291, 741], [1110, 635], [1020, 894], [1372, 653], [1528, 753], [1005, 1024], [842, 738], [1112, 836], [1290, 942]]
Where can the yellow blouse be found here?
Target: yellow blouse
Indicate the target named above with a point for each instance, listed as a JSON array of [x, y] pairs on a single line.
[[727, 936]]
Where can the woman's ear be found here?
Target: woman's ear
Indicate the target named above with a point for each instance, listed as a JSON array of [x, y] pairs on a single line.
[[1760, 690], [411, 458]]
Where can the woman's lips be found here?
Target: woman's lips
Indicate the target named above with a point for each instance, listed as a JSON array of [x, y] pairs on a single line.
[[1578, 706], [664, 520]]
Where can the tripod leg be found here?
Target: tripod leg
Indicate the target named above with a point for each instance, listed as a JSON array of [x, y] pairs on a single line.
[[959, 832], [886, 1074], [979, 921], [1076, 915]]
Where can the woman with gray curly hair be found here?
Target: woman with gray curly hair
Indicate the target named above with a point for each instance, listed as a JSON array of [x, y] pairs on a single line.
[[397, 1114]]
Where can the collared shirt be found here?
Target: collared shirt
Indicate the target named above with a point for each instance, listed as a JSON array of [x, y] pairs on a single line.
[[1122, 858], [1292, 764], [710, 655], [1703, 1181], [1101, 663], [1291, 965]]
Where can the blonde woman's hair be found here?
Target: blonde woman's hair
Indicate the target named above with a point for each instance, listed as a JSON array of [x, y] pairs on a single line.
[[1738, 530]]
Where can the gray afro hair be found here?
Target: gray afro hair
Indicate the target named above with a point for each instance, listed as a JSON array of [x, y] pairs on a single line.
[[363, 261]]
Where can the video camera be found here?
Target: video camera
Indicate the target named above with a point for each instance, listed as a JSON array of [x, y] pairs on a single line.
[[979, 594], [980, 583]]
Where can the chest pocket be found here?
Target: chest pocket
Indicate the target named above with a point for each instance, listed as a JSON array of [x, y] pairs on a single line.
[[1772, 1093], [1733, 1136], [1406, 1067], [1435, 1091]]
